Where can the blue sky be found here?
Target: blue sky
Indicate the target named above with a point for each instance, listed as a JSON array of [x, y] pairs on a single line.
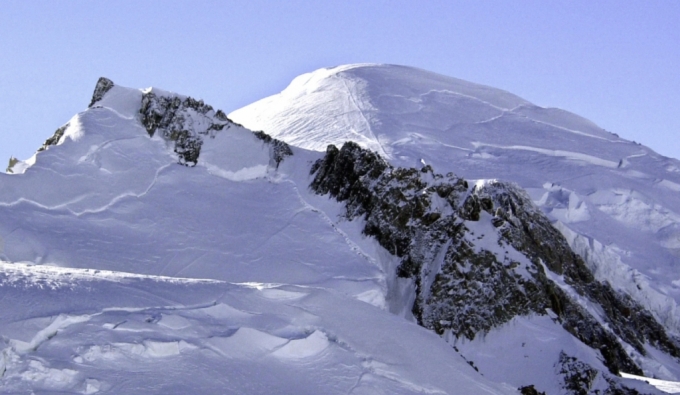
[[616, 63]]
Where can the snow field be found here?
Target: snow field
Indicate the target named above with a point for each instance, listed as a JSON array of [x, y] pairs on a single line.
[[127, 273], [296, 335], [608, 190], [123, 272]]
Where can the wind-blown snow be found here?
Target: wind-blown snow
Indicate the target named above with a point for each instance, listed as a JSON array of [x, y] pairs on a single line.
[[124, 272], [174, 335], [615, 200]]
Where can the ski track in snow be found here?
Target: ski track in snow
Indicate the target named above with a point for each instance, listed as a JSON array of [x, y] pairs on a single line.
[[627, 201], [111, 203], [505, 111], [383, 152], [576, 156], [118, 198], [353, 246], [83, 330], [465, 96], [569, 130], [96, 149]]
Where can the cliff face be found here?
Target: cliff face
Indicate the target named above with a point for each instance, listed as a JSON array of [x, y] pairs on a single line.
[[483, 254]]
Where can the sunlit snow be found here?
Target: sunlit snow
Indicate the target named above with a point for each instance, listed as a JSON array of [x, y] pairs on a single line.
[[606, 192], [124, 272]]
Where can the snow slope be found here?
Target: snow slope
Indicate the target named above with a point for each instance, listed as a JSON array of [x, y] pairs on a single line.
[[125, 272], [616, 201], [86, 331]]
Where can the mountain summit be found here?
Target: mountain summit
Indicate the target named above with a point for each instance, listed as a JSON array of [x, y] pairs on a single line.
[[155, 244], [616, 201]]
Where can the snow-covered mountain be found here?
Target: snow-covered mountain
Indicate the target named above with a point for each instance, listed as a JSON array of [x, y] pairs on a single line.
[[154, 245], [125, 272], [616, 201]]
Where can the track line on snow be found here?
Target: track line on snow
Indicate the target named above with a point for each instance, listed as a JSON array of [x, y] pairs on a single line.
[[569, 155], [468, 97], [106, 144], [512, 110], [125, 195], [567, 129], [64, 206], [353, 246], [368, 124]]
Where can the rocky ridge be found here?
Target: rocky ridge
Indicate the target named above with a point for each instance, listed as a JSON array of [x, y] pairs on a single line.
[[187, 122], [183, 120], [615, 200], [481, 255]]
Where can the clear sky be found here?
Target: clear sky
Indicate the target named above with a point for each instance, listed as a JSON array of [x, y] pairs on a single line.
[[614, 62]]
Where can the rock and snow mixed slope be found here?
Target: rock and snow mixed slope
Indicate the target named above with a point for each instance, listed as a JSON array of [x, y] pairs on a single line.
[[153, 245], [125, 272], [481, 258], [616, 201]]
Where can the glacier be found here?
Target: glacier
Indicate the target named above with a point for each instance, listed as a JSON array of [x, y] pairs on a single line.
[[157, 245], [615, 200], [125, 272]]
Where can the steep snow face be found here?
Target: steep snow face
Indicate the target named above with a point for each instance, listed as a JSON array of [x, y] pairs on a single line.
[[127, 268], [615, 200]]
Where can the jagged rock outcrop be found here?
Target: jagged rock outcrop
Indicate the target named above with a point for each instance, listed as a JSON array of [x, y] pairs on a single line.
[[187, 122], [480, 256], [278, 150], [529, 390], [579, 378], [12, 162], [54, 139], [529, 231], [103, 85], [182, 120]]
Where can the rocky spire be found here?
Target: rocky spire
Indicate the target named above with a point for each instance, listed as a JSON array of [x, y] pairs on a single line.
[[103, 85]]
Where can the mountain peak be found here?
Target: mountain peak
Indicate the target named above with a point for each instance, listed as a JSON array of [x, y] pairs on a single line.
[[103, 85], [614, 200], [381, 106], [235, 263]]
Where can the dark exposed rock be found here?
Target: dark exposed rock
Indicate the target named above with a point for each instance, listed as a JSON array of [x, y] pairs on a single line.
[[188, 122], [54, 139], [579, 378], [425, 219], [278, 149], [103, 85], [173, 119], [534, 235], [12, 161], [529, 390]]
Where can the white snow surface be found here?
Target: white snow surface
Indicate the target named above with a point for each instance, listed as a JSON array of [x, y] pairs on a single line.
[[123, 272], [615, 200], [671, 387]]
